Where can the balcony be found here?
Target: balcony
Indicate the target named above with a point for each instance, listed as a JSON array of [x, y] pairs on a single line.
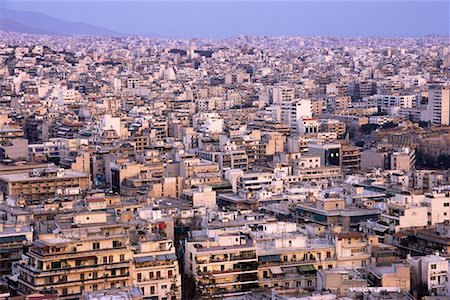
[[354, 245], [291, 262], [290, 277], [67, 268], [225, 259]]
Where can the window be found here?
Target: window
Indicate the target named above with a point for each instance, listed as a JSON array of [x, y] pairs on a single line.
[[56, 265], [82, 276], [433, 267], [152, 290], [111, 258], [64, 291], [433, 278], [96, 245], [164, 286], [94, 275], [117, 244], [169, 273], [328, 254], [105, 259], [113, 272], [122, 257], [330, 266], [49, 280], [94, 287], [151, 274], [158, 274], [447, 204], [320, 267]]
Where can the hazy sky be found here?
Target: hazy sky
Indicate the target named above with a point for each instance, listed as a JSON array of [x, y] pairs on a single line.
[[218, 19]]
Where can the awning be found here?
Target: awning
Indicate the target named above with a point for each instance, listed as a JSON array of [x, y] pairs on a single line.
[[10, 239], [171, 256], [306, 268], [276, 270], [143, 259], [9, 250], [267, 258], [161, 257]]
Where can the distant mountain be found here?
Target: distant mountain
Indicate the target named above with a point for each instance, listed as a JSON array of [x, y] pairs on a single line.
[[37, 23]]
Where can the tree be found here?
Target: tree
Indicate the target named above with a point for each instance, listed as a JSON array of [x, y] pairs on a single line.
[[206, 287], [368, 128], [188, 287], [389, 125], [443, 161], [360, 143]]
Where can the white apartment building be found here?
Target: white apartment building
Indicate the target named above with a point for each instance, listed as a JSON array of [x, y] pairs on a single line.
[[432, 271], [294, 111], [282, 94], [438, 205], [403, 101], [439, 104]]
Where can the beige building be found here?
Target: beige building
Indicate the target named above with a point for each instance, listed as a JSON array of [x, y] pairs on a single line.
[[203, 196], [352, 250], [155, 270], [339, 280], [224, 264], [42, 184], [291, 260], [94, 252], [92, 255], [394, 275]]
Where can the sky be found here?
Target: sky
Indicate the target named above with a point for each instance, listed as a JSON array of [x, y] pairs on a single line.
[[220, 19]]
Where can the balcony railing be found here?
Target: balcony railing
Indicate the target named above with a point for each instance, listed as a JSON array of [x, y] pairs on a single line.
[[224, 259]]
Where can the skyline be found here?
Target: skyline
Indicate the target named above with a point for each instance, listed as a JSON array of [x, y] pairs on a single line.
[[223, 19]]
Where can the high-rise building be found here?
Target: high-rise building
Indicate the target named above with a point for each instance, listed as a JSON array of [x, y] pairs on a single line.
[[439, 103]]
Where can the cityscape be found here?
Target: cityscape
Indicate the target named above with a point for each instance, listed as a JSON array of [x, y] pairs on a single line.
[[249, 166]]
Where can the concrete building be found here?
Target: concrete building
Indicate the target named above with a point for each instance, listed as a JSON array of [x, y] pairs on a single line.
[[439, 104], [45, 183], [224, 264]]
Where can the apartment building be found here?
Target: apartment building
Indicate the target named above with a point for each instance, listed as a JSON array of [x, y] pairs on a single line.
[[291, 259], [14, 238], [42, 184], [432, 272], [92, 253], [352, 250], [294, 111], [222, 264], [155, 269], [439, 103]]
